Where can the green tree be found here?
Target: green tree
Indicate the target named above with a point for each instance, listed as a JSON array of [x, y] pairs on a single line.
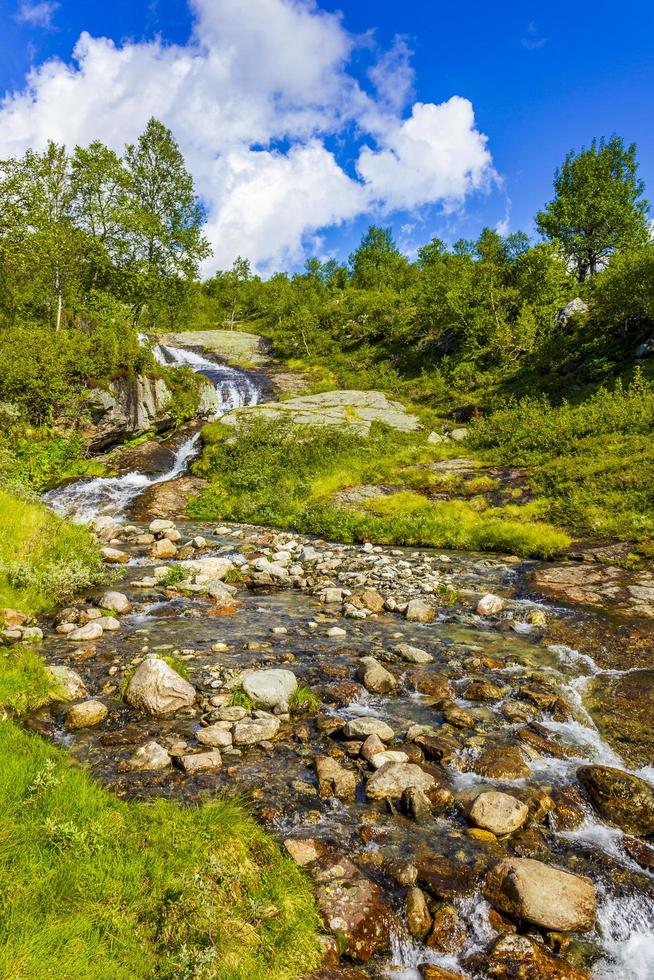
[[165, 219], [378, 263], [598, 206]]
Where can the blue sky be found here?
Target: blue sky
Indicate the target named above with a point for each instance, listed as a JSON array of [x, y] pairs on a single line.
[[288, 169]]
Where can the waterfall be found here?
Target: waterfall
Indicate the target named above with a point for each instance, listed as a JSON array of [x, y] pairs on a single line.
[[85, 500]]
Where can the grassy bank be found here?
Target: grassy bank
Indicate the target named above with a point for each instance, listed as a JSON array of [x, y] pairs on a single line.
[[288, 475], [93, 887], [43, 560]]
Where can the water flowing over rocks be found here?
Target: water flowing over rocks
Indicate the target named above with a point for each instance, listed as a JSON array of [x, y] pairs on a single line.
[[451, 781]]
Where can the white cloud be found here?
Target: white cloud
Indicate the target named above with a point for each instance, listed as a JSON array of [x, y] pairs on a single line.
[[436, 154], [37, 14], [251, 99]]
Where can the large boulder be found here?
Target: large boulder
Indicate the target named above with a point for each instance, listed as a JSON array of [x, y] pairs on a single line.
[[128, 407], [269, 688], [149, 757], [86, 714], [546, 896], [624, 800], [68, 684], [575, 307], [157, 689]]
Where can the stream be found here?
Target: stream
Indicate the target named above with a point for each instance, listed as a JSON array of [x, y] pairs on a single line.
[[542, 676]]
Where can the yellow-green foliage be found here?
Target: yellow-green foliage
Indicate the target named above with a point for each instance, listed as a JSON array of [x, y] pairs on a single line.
[[287, 476], [43, 559], [98, 889]]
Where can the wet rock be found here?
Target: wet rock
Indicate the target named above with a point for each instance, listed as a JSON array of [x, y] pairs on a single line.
[[448, 933], [157, 689], [304, 851], [501, 762], [433, 685], [431, 971], [91, 631], [535, 736], [490, 605], [68, 615], [371, 747], [411, 654], [200, 762], [336, 632], [441, 748], [112, 556], [541, 894], [624, 800], [416, 911], [163, 549], [160, 525], [116, 602], [444, 878], [334, 780], [482, 691], [569, 808], [457, 716], [374, 677], [394, 778], [419, 611], [86, 714], [68, 683], [356, 910], [367, 599], [250, 731], [269, 687], [149, 757], [523, 958], [364, 726], [639, 851], [387, 755], [343, 693], [214, 735], [498, 812], [416, 804]]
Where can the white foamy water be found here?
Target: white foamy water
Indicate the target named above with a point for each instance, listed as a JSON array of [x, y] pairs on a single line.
[[85, 500]]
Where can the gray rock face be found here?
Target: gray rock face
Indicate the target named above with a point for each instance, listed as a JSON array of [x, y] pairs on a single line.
[[269, 687], [541, 894], [646, 349], [157, 689], [353, 410], [128, 408], [574, 307]]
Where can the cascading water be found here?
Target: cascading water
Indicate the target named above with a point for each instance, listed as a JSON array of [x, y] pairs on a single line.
[[85, 500]]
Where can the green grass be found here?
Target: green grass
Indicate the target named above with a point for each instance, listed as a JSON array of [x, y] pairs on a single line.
[[285, 475], [93, 887], [303, 699], [239, 699], [43, 559]]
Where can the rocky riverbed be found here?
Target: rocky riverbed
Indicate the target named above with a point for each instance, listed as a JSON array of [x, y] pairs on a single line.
[[463, 767]]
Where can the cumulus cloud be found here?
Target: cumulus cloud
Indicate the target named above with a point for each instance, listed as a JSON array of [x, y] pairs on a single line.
[[252, 99], [437, 154], [37, 14]]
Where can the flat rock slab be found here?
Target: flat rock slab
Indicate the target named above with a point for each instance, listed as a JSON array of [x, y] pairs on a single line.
[[588, 584], [352, 410], [539, 893]]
